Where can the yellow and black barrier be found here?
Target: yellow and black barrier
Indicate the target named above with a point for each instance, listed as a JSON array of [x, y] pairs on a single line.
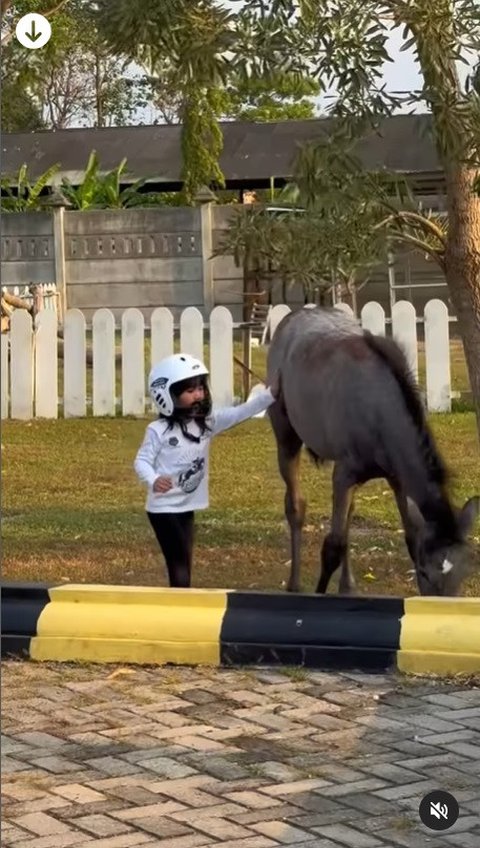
[[129, 624]]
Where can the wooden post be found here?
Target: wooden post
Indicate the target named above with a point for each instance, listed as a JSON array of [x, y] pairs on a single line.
[[59, 251], [247, 360]]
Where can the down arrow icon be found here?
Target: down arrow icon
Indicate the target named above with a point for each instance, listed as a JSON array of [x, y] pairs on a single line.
[[33, 34]]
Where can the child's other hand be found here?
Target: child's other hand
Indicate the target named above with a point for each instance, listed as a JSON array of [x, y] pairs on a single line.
[[162, 485], [274, 385]]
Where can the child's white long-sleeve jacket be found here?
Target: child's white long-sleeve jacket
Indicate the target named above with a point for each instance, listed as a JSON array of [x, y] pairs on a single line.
[[167, 453]]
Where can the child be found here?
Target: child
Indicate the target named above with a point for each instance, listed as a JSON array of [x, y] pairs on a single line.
[[173, 458]]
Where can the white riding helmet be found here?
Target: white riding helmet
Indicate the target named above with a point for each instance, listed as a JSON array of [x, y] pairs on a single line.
[[172, 369]]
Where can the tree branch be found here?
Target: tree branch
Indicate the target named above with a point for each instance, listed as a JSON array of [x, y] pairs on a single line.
[[423, 246], [11, 32]]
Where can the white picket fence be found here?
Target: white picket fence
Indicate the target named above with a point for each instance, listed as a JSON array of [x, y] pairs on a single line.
[[29, 371]]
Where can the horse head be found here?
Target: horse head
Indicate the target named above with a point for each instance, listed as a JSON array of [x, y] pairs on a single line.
[[443, 559]]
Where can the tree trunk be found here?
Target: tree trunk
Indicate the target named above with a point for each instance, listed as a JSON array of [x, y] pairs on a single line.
[[462, 267], [250, 287]]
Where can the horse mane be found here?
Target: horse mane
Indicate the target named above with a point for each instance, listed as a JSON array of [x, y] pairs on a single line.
[[394, 358]]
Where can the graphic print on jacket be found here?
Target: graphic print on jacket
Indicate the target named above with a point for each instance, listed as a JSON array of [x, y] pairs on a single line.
[[190, 479]]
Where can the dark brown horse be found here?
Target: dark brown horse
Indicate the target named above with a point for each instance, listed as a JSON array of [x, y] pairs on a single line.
[[349, 397]]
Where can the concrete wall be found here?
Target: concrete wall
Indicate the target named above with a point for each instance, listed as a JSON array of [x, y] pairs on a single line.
[[27, 248], [143, 257], [162, 257]]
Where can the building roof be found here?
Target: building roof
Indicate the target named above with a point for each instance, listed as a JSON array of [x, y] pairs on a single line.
[[252, 153]]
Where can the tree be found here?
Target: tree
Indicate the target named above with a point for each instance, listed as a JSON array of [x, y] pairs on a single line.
[[203, 63], [104, 191], [191, 40], [282, 96], [330, 238], [26, 197], [347, 47], [74, 79]]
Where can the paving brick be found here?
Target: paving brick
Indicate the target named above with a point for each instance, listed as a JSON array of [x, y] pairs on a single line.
[[249, 842], [463, 840], [254, 800], [11, 835], [286, 811], [218, 811], [41, 824], [59, 840], [466, 749], [349, 836], [126, 840], [57, 765], [191, 840], [444, 738], [283, 832], [220, 828], [295, 786], [168, 767], [365, 785], [79, 794], [163, 827], [395, 773], [410, 837], [101, 825], [112, 766], [11, 765], [162, 809]]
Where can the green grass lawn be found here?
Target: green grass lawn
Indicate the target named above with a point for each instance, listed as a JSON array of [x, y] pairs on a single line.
[[73, 509]]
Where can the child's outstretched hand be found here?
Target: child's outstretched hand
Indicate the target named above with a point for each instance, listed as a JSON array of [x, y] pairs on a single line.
[[162, 485], [275, 385]]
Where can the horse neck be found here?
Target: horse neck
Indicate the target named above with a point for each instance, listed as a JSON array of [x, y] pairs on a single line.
[[421, 474]]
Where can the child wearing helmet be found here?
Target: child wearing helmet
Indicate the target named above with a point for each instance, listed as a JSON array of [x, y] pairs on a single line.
[[173, 457]]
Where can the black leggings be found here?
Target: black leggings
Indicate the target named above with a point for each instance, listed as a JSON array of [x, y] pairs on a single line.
[[174, 532]]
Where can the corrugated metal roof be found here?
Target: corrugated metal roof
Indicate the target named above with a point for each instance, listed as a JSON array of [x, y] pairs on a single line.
[[252, 151]]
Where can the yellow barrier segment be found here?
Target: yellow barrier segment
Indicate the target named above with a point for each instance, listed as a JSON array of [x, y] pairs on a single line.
[[130, 624], [440, 636]]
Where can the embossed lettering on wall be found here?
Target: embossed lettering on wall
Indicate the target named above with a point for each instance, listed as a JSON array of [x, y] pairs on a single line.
[[26, 247], [133, 246]]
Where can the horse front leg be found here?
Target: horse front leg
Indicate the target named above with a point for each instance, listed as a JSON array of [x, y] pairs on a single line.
[[294, 510], [335, 545], [289, 446]]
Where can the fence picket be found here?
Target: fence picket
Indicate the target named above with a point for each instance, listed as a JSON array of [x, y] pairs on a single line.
[[191, 332], [133, 362], [404, 331], [46, 365], [21, 365], [4, 385], [74, 365], [373, 318], [221, 356], [437, 355], [161, 334], [278, 314], [103, 328], [344, 307]]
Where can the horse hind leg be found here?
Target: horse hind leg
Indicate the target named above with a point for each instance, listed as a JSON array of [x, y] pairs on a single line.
[[335, 545], [289, 446]]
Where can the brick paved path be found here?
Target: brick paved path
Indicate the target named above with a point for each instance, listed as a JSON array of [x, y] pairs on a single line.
[[233, 759]]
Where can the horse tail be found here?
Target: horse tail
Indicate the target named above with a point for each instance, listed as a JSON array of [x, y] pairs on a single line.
[[394, 359]]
